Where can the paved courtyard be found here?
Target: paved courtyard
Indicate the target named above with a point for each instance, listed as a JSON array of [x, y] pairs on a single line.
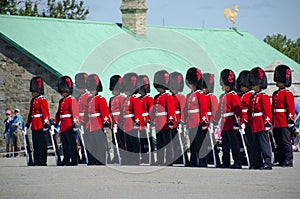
[[114, 181]]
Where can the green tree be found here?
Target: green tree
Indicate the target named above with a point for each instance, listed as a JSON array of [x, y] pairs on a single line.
[[285, 45], [66, 9]]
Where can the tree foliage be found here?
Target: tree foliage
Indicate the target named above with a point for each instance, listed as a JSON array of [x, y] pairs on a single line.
[[66, 9], [287, 46]]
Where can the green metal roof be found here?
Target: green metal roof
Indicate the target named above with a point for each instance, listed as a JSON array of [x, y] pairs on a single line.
[[66, 47]]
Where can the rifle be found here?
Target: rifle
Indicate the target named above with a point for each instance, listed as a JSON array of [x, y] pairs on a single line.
[[81, 133], [115, 131], [55, 147], [242, 133], [149, 143], [211, 133], [179, 130], [27, 148]]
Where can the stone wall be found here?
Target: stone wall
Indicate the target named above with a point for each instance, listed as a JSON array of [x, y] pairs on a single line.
[[16, 71]]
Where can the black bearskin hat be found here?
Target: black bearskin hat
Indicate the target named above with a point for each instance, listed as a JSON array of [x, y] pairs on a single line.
[[80, 80], [243, 80], [130, 83], [65, 85], [283, 74], [37, 85], [161, 79], [209, 81], [194, 76], [227, 78], [93, 83], [257, 76], [143, 83], [115, 83], [176, 81]]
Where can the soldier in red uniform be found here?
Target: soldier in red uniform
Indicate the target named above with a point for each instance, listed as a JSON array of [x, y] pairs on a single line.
[[260, 120], [212, 103], [38, 117], [230, 111], [196, 116], [283, 115], [97, 121], [243, 89], [176, 87], [80, 82], [133, 120], [115, 108], [67, 116], [163, 117], [147, 103]]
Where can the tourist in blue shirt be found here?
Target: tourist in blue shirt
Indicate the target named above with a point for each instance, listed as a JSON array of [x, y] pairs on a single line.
[[16, 126]]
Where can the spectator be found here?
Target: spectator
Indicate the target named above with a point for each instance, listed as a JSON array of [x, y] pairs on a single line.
[[6, 133], [16, 130], [297, 112]]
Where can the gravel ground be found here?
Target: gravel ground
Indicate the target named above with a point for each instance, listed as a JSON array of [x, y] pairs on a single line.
[[114, 181]]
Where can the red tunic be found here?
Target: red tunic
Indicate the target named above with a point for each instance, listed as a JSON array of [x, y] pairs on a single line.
[[196, 110], [147, 103], [212, 103], [163, 111], [283, 108], [116, 107], [97, 114], [229, 109], [132, 114], [67, 113], [39, 113], [245, 104], [82, 105], [260, 112], [179, 101]]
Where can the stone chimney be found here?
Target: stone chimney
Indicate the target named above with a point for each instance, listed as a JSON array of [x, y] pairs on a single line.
[[134, 15]]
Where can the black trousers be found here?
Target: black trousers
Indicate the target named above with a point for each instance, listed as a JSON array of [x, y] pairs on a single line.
[[132, 156], [284, 146], [176, 145], [96, 147], [230, 141], [197, 137], [144, 147], [262, 152], [164, 142], [69, 147], [40, 147]]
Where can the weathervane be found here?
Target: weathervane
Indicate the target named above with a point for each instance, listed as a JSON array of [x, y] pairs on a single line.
[[231, 15]]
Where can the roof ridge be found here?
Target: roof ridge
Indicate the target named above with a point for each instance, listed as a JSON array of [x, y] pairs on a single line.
[[55, 19], [196, 28]]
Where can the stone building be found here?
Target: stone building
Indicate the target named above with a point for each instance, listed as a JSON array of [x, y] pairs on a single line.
[[31, 46]]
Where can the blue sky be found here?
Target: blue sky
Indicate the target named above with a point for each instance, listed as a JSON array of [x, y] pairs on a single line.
[[259, 17]]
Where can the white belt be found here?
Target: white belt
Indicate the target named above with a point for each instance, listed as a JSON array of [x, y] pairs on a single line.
[[244, 110], [95, 115], [145, 114], [128, 116], [194, 111], [209, 113], [228, 114], [115, 113], [257, 114], [65, 115], [37, 115], [161, 114], [177, 112], [81, 114], [280, 110]]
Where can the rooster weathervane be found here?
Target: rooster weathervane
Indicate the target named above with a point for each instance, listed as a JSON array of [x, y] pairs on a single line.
[[231, 15]]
